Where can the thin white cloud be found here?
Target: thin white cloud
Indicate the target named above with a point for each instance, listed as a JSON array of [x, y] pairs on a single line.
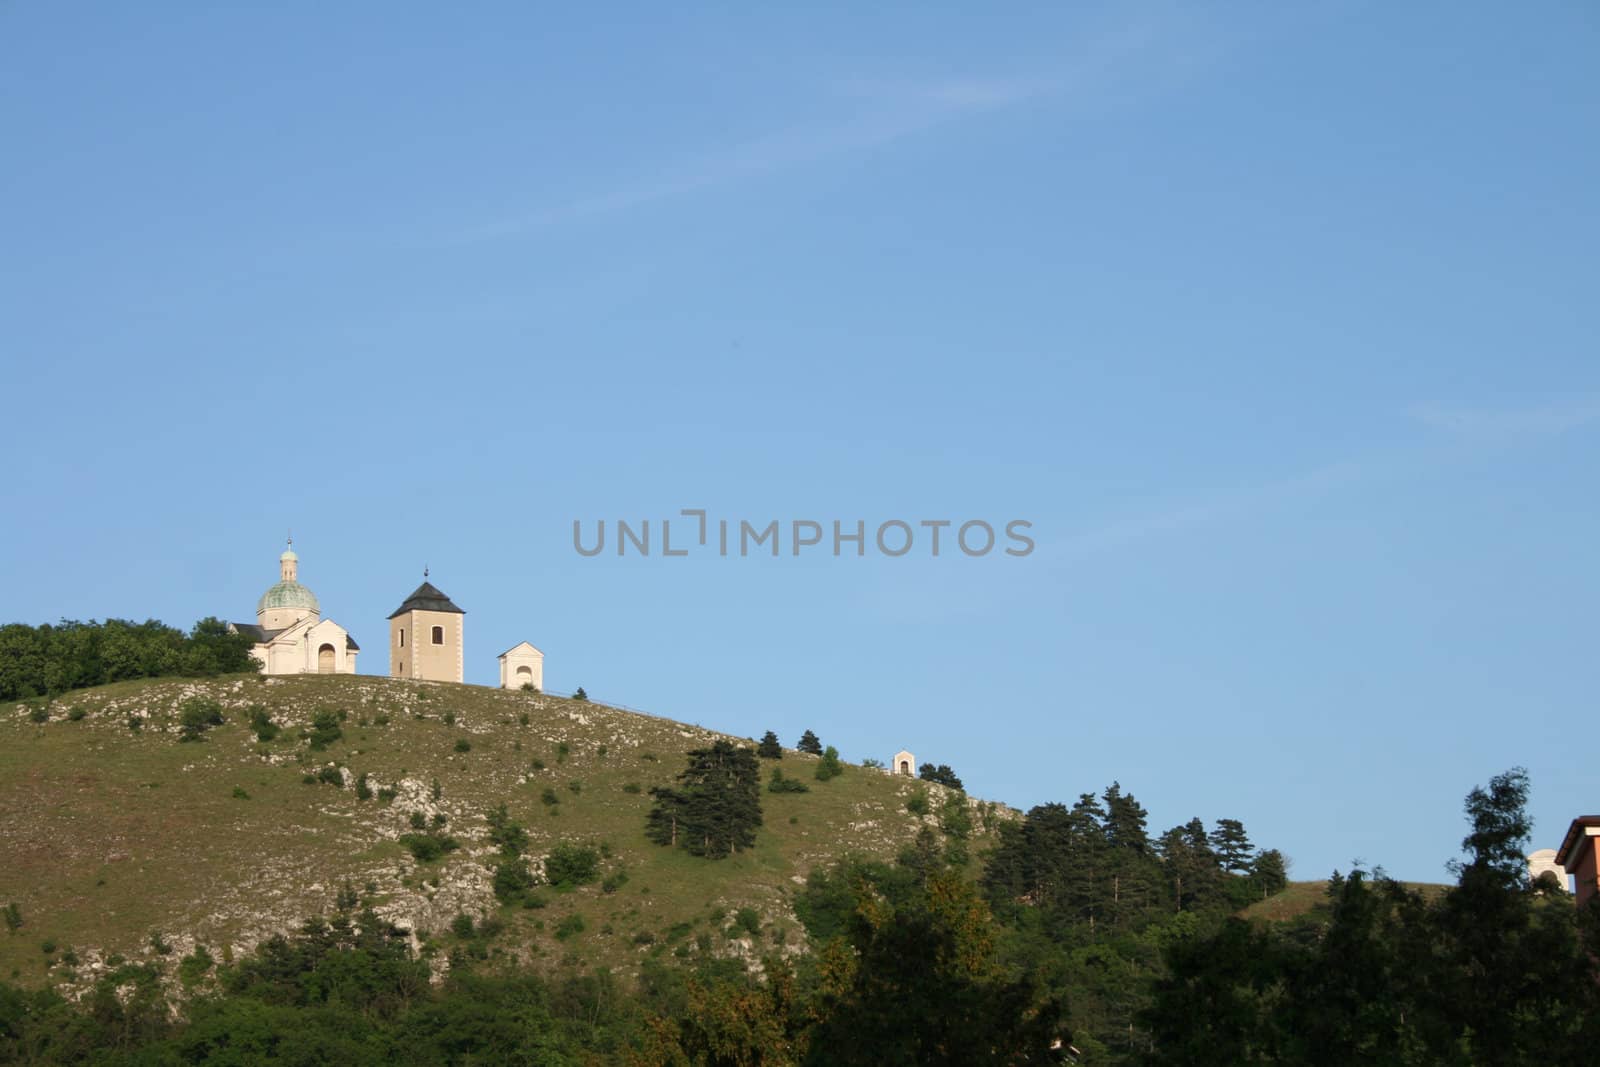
[[885, 112], [1550, 419]]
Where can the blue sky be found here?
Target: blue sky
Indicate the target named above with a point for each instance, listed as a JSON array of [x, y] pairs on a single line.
[[1277, 324]]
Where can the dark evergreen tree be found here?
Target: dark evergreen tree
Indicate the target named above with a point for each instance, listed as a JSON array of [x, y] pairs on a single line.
[[716, 808], [666, 815], [810, 744], [1232, 846], [941, 774], [769, 748], [1125, 820], [1269, 872]]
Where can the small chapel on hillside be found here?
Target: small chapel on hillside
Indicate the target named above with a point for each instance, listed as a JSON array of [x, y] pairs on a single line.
[[290, 634]]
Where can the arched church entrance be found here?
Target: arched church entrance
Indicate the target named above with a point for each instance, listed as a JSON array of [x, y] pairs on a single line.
[[325, 657], [524, 675], [905, 768]]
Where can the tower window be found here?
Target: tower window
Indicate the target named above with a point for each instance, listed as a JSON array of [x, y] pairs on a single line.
[[438, 635], [401, 634]]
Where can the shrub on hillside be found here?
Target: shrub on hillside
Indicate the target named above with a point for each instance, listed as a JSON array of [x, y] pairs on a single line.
[[325, 729], [571, 865], [261, 722], [196, 715], [430, 847], [779, 784], [830, 767]]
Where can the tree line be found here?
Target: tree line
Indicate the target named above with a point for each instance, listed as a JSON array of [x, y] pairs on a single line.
[[42, 661]]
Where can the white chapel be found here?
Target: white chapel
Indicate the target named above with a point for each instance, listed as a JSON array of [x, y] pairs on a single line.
[[290, 634]]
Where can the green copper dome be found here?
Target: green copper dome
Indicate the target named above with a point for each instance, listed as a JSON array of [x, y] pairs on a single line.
[[287, 595]]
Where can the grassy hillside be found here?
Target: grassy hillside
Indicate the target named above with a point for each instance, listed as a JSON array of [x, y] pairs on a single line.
[[113, 834], [1301, 898]]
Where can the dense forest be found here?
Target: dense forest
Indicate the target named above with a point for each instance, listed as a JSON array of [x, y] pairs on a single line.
[[43, 661], [1080, 937]]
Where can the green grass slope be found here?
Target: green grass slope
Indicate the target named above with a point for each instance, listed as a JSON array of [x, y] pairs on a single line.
[[113, 834], [1302, 898]]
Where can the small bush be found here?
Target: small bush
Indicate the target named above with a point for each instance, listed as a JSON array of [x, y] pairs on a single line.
[[308, 779], [632, 788], [463, 745], [571, 926], [437, 790], [331, 776], [39, 714], [512, 879], [239, 793], [537, 764], [748, 920], [780, 784], [418, 821], [449, 718], [13, 917], [571, 865], [429, 848], [829, 766], [579, 694], [523, 718], [462, 926], [563, 750], [196, 715], [195, 966], [159, 944], [575, 787], [325, 730], [76, 715], [261, 722], [548, 797], [644, 937], [49, 947], [917, 802], [614, 882], [363, 789], [387, 794], [651, 756]]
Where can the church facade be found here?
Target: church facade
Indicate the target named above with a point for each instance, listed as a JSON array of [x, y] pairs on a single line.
[[290, 634]]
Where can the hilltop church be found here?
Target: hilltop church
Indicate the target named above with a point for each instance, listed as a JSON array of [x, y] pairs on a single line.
[[290, 634], [426, 636]]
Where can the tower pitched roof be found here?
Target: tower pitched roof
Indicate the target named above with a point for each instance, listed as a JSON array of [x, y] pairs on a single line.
[[427, 597]]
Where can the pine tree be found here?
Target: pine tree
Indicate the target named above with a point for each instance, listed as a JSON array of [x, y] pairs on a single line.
[[666, 815], [810, 744], [1125, 820], [1269, 872], [1232, 846], [717, 807], [769, 747], [942, 774]]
